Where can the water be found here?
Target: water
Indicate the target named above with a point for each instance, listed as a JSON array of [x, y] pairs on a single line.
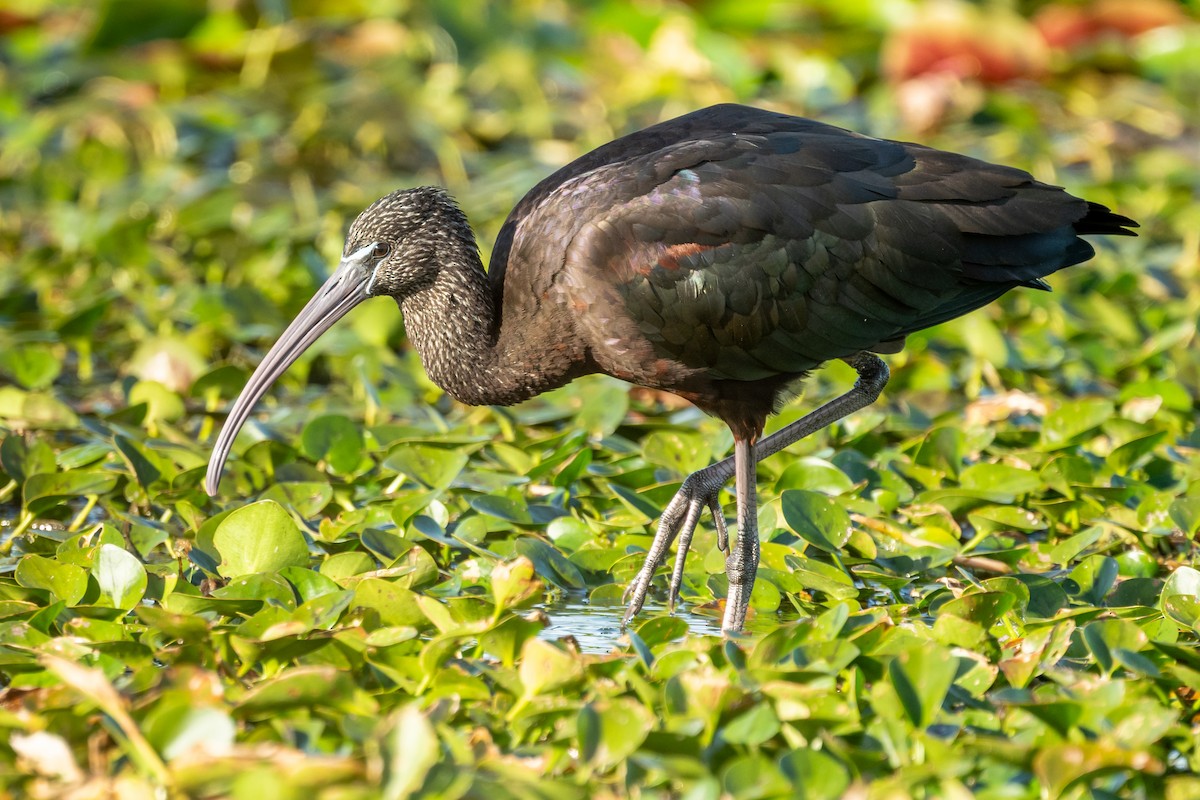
[[597, 626]]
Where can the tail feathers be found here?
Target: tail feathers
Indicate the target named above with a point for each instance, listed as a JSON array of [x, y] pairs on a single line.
[[1099, 219]]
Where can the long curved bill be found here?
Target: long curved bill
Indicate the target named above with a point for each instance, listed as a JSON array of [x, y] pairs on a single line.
[[346, 288]]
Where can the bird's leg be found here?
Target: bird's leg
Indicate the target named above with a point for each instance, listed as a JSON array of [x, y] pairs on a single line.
[[702, 488], [699, 489], [742, 562]]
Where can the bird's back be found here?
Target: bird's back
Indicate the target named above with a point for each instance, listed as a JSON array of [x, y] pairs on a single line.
[[734, 249]]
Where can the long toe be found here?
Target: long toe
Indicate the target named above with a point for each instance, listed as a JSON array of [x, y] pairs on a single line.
[[699, 491]]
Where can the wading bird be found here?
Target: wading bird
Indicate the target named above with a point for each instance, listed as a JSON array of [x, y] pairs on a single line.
[[720, 256]]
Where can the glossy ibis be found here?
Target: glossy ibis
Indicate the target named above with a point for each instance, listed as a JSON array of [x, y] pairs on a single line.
[[720, 256]]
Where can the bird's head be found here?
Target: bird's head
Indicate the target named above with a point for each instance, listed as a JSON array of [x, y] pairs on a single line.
[[391, 250]]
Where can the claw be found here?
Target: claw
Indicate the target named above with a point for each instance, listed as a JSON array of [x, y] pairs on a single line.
[[718, 514], [680, 518]]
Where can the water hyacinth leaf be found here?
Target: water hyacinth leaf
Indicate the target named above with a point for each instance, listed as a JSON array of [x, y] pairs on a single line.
[[395, 605], [753, 727], [435, 467], [1181, 597], [545, 668], [818, 519], [299, 687], [207, 729], [1092, 579], [32, 364], [815, 475], [1066, 551], [1073, 419], [260, 537], [662, 630], [334, 439], [44, 491], [22, 410], [819, 576], [505, 639], [306, 498], [1104, 637], [21, 457], [1003, 480], [513, 582], [411, 749], [921, 677], [611, 730], [162, 403], [605, 402], [682, 453], [266, 587], [550, 563], [508, 509], [309, 584], [815, 775], [120, 576], [65, 582], [982, 608], [1045, 595], [1185, 512], [146, 467], [323, 612]]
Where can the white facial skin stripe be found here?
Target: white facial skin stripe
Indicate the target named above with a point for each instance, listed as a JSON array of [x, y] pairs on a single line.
[[358, 258]]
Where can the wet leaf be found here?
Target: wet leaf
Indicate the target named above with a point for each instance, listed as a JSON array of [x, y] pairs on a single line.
[[817, 518], [120, 576], [65, 582], [334, 439], [261, 537]]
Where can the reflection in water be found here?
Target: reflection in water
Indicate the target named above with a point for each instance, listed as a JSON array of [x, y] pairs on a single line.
[[597, 626]]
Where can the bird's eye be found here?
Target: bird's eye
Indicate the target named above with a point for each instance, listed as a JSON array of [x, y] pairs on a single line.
[[380, 250]]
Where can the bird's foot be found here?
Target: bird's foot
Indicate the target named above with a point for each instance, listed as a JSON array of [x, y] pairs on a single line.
[[699, 491]]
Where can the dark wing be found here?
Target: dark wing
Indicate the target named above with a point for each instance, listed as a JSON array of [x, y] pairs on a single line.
[[768, 248]]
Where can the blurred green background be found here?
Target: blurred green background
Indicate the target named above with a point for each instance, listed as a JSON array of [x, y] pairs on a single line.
[[1001, 600]]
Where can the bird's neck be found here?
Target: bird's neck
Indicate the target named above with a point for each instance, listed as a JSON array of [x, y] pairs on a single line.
[[470, 348]]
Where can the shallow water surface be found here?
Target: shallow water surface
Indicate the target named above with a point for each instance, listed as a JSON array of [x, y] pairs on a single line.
[[597, 626]]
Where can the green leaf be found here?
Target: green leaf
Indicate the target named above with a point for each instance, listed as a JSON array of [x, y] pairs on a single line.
[[34, 410], [395, 605], [819, 520], [335, 440], [21, 457], [815, 775], [682, 453], [1093, 578], [611, 730], [506, 508], [921, 677], [815, 475], [982, 608], [31, 364], [436, 467], [299, 687], [411, 749], [306, 498], [47, 490], [1181, 597], [545, 668], [261, 537], [65, 582], [1001, 479], [162, 404], [753, 727], [120, 576], [550, 563], [1073, 419], [514, 582]]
